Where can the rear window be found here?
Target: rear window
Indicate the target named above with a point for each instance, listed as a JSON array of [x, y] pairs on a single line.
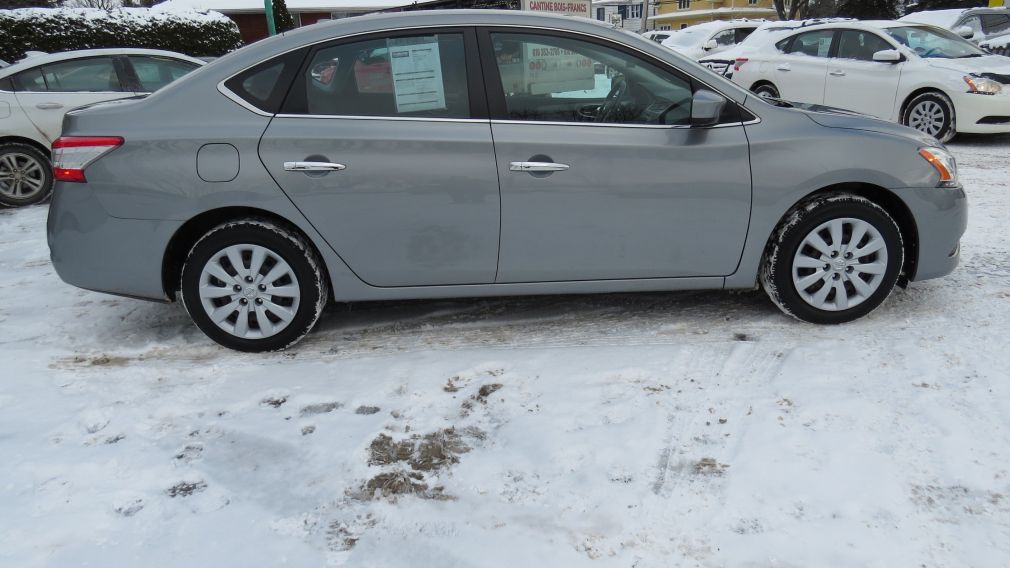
[[265, 85]]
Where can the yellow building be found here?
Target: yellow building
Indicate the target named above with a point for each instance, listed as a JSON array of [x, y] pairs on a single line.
[[677, 14]]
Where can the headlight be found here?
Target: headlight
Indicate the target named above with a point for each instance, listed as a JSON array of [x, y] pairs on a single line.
[[982, 85], [944, 164]]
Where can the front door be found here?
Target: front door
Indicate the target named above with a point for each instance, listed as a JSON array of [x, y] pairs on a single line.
[[379, 147], [856, 82], [602, 176]]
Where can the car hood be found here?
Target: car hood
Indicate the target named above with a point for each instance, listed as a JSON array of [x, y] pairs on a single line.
[[831, 117], [997, 64]]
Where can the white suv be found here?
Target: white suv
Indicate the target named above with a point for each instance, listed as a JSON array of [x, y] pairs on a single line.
[[921, 76], [36, 92]]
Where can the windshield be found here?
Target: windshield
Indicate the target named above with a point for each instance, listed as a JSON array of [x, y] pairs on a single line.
[[686, 38], [934, 42]]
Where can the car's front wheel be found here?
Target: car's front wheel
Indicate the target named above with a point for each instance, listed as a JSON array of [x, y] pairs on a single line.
[[933, 113], [26, 176], [254, 285], [833, 259]]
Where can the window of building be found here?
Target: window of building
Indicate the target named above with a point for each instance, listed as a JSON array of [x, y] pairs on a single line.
[[683, 5]]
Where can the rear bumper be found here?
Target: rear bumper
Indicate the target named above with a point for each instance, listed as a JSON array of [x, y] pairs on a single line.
[[941, 217], [93, 250]]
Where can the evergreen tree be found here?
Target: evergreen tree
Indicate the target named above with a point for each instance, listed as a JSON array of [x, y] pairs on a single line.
[[869, 9], [282, 18]]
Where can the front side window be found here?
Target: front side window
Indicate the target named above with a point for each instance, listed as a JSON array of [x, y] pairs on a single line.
[[560, 79], [418, 76], [725, 37], [95, 74], [815, 44], [860, 45], [156, 72]]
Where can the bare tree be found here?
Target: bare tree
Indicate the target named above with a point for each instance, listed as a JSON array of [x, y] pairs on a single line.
[[791, 9], [107, 5]]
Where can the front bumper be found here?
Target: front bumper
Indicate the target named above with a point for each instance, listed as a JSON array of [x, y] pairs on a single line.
[[93, 250], [941, 217], [982, 114]]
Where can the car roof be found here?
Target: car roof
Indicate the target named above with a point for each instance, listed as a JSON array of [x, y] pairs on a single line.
[[721, 24], [35, 61]]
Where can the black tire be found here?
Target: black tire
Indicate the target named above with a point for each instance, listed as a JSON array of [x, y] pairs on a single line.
[[801, 221], [17, 153], [948, 124], [766, 90], [291, 247]]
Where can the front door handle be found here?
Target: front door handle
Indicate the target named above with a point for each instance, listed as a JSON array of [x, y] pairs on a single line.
[[784, 67], [537, 167], [313, 167], [48, 106], [837, 73]]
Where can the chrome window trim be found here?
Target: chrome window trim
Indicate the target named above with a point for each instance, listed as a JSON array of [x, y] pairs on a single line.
[[398, 118], [248, 106]]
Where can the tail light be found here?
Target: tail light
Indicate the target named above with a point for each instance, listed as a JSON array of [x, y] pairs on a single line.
[[71, 154], [739, 63]]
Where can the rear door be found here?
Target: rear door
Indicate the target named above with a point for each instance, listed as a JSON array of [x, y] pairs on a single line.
[[48, 92], [384, 145], [855, 81], [799, 73]]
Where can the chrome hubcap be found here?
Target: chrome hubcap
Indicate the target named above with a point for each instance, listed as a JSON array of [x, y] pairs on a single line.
[[927, 116], [21, 176], [840, 264], [249, 291]]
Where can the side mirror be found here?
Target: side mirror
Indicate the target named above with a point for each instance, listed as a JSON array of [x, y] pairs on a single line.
[[710, 45], [706, 107], [887, 56], [965, 32]]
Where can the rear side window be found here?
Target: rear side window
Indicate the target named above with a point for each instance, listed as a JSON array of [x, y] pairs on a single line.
[[91, 75], [415, 76], [815, 44], [156, 72], [30, 81], [265, 85], [995, 23]]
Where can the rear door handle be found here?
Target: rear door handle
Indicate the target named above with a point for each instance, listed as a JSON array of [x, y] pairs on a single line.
[[313, 167], [48, 106], [784, 67], [537, 167], [837, 73]]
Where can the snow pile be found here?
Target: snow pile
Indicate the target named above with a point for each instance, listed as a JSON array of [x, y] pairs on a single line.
[[191, 32], [941, 18]]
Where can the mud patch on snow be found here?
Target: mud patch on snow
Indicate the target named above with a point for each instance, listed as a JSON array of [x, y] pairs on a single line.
[[320, 408], [85, 361], [709, 466], [365, 410], [274, 401], [185, 488]]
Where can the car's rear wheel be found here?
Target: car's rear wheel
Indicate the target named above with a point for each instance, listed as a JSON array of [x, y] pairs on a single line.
[[833, 259], [932, 113], [26, 175], [253, 285], [765, 91]]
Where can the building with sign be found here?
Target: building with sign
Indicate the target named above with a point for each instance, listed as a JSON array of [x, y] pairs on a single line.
[[677, 14], [625, 14]]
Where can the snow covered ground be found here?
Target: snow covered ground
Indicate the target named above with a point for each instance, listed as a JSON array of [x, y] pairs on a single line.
[[650, 430]]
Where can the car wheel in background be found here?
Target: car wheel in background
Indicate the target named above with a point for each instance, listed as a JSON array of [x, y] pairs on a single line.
[[932, 113], [254, 285], [26, 175], [833, 259], [765, 91]]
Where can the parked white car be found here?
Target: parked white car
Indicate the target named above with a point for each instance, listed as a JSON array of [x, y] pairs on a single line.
[[657, 35], [36, 92], [767, 33], [710, 37], [919, 75], [975, 24]]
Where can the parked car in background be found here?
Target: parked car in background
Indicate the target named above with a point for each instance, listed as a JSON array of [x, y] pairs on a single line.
[[36, 93], [918, 75], [4, 64], [724, 62], [975, 24], [262, 187], [710, 38], [657, 35]]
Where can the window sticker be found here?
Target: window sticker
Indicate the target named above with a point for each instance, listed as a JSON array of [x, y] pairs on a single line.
[[417, 74]]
